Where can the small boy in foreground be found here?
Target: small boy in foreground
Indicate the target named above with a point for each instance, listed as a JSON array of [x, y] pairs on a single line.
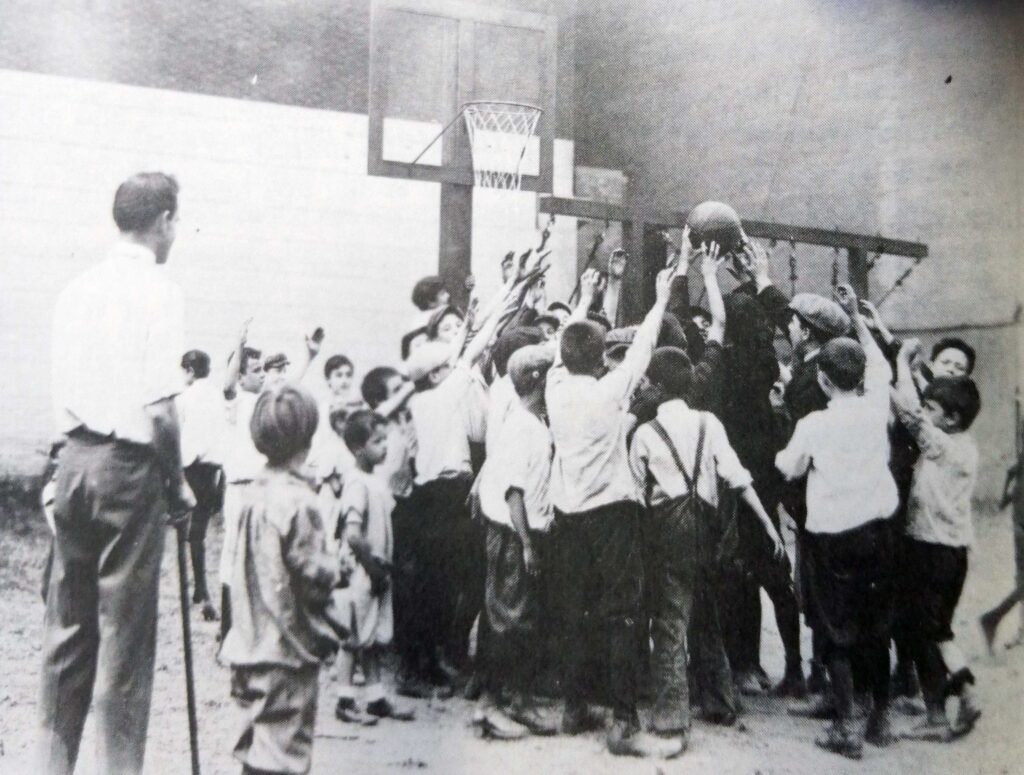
[[282, 579], [938, 536], [366, 553]]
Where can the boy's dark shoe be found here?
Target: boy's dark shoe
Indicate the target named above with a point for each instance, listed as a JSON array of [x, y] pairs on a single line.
[[879, 729], [577, 720], [792, 685], [208, 612], [748, 684], [383, 708], [721, 718], [414, 688], [625, 740], [473, 687], [841, 739], [534, 720], [347, 711]]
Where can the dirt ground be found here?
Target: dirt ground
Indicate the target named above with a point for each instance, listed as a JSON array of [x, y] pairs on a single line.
[[440, 740]]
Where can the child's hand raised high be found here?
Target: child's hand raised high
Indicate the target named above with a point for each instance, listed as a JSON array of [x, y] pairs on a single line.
[[663, 285], [847, 299]]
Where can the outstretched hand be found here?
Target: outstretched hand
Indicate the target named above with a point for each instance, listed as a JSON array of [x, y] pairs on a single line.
[[590, 283], [712, 261], [663, 284], [847, 299]]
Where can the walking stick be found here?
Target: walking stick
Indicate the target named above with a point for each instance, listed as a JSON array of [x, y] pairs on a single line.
[[186, 636]]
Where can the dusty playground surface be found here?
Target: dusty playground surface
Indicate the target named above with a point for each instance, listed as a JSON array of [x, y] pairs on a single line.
[[765, 740]]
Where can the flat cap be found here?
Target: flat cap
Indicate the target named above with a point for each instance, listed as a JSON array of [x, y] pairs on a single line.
[[821, 313]]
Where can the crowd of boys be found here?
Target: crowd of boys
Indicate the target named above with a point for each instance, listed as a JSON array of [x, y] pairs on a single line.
[[537, 505]]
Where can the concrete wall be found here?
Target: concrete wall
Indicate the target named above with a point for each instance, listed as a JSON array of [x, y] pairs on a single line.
[[830, 113], [279, 221]]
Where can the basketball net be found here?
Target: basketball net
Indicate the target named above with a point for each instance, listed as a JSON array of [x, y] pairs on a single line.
[[499, 133]]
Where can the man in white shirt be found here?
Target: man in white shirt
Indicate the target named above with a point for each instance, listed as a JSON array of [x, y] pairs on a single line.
[[201, 414], [851, 495], [597, 521], [119, 475]]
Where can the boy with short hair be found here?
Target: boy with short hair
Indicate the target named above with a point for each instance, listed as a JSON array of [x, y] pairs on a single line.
[[364, 530], [597, 520], [937, 538], [848, 541], [517, 507], [682, 497], [201, 415], [242, 461], [282, 579]]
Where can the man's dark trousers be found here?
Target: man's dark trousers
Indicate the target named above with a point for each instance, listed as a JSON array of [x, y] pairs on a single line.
[[99, 638]]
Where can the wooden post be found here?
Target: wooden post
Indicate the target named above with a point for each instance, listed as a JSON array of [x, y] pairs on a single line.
[[857, 269], [455, 249]]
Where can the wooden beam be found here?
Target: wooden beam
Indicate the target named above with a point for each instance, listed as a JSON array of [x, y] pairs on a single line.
[[807, 235], [857, 269]]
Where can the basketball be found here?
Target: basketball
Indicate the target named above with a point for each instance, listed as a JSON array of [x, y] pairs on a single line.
[[715, 222]]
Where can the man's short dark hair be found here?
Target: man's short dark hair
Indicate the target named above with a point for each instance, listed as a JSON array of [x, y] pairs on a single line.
[[842, 360], [509, 342], [582, 347], [956, 395], [375, 385], [197, 362], [424, 293], [334, 363], [248, 354], [360, 427], [670, 369], [955, 343], [142, 198]]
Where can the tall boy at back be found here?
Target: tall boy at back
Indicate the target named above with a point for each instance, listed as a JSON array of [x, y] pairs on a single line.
[[933, 561], [851, 496], [597, 521]]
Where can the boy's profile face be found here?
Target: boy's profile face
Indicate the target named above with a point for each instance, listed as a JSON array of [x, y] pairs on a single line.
[[703, 324], [274, 376], [190, 376], [561, 314], [950, 362], [796, 331], [443, 299], [252, 380], [340, 380], [547, 330], [394, 384], [938, 416], [376, 447]]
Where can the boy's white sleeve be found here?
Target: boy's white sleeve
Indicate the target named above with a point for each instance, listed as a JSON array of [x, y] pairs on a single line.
[[638, 457], [726, 461], [620, 382], [794, 461], [932, 442]]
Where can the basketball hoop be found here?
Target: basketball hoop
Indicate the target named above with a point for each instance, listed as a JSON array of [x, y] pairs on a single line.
[[499, 133]]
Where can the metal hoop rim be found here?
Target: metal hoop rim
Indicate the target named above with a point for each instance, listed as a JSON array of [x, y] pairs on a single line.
[[481, 103]]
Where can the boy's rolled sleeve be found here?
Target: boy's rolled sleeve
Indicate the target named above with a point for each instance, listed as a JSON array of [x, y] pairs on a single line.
[[794, 461], [932, 442]]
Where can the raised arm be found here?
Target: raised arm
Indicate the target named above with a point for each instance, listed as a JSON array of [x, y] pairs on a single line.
[[397, 401], [613, 292], [313, 342], [235, 361], [709, 266], [877, 372], [482, 339]]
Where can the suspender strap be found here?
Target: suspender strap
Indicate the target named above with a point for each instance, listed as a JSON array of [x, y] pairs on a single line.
[[691, 481]]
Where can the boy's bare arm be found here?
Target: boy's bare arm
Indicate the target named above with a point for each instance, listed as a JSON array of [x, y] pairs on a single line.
[[709, 267], [235, 361], [517, 511], [877, 372], [749, 496], [397, 401], [623, 379]]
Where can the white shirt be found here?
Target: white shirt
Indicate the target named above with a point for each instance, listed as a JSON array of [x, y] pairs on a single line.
[[118, 337], [521, 460], [439, 416], [589, 423], [939, 509], [242, 461], [649, 454], [201, 415], [502, 401], [844, 450]]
